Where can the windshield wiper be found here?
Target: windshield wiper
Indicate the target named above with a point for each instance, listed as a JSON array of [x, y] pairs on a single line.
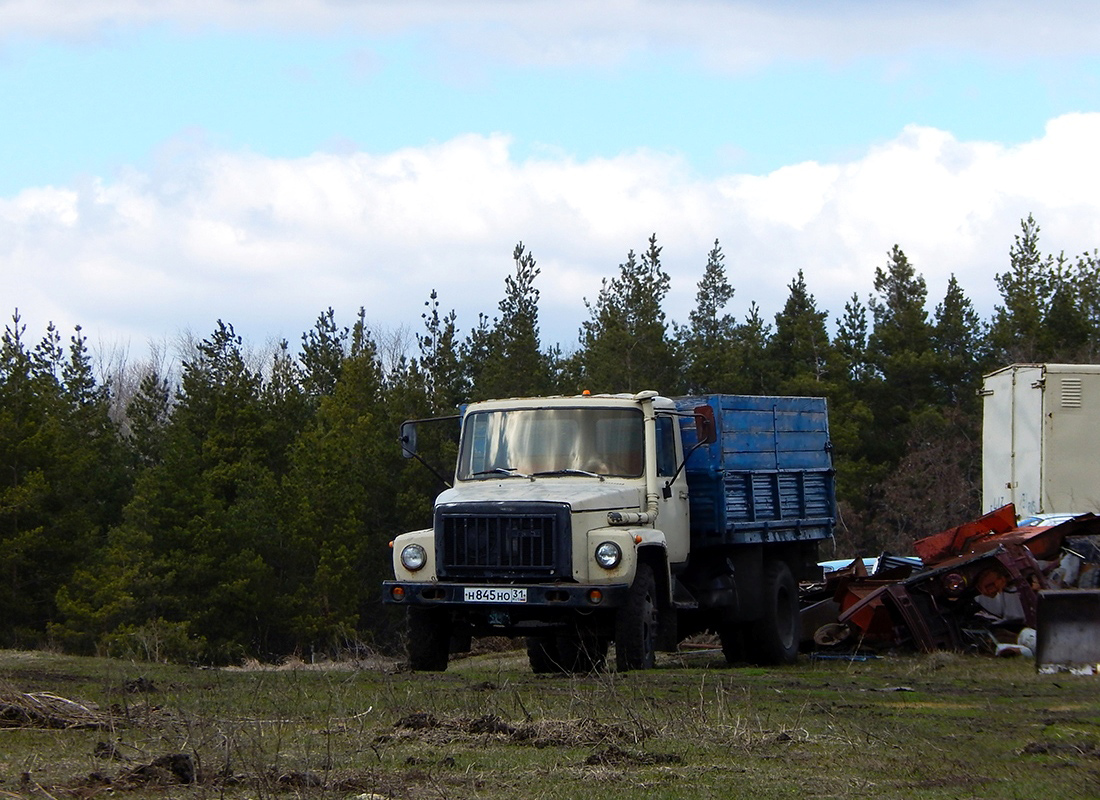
[[568, 471], [510, 472]]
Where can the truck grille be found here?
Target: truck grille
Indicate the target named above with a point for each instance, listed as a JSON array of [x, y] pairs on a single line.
[[503, 541]]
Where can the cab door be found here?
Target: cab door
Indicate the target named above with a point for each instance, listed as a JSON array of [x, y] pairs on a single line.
[[673, 517]]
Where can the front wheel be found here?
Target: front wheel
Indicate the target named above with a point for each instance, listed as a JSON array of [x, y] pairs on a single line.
[[429, 639], [636, 624], [578, 651], [582, 651], [774, 637], [542, 654]]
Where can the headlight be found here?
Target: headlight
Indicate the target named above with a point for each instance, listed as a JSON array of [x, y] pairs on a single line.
[[608, 555], [413, 557], [954, 584]]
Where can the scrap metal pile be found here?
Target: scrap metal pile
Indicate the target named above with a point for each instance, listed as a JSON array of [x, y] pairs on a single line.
[[980, 587]]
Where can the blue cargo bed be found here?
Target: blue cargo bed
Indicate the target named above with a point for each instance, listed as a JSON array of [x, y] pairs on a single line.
[[769, 475]]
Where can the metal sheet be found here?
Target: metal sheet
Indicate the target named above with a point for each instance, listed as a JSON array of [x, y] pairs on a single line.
[[955, 541], [1012, 438], [1071, 420], [1069, 627], [1040, 438]]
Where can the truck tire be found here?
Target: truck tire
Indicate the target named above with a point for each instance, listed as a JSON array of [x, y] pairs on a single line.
[[636, 624], [583, 651], [773, 639], [542, 654], [577, 652], [733, 638], [429, 645]]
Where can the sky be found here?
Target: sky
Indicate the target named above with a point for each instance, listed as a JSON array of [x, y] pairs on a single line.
[[167, 165]]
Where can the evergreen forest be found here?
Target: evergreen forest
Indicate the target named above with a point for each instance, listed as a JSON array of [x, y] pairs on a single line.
[[229, 503]]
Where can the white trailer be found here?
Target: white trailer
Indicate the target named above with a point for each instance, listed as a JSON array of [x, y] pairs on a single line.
[[1041, 438]]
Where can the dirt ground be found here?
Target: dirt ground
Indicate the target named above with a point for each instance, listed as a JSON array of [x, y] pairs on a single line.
[[936, 726]]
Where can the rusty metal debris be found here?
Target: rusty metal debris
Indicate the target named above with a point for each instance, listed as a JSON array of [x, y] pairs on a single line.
[[979, 587]]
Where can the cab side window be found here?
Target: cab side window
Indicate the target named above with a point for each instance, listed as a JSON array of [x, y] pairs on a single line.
[[666, 447]]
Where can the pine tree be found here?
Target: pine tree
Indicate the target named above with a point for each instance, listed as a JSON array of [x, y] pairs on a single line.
[[147, 416], [64, 479], [800, 351], [322, 356], [477, 351], [899, 352], [192, 555], [1086, 277], [286, 406], [900, 320], [708, 343], [1026, 290], [1067, 330], [934, 485], [432, 385], [503, 357], [340, 512], [1049, 305], [753, 337], [958, 338], [624, 345], [439, 367], [28, 398], [851, 341], [92, 482]]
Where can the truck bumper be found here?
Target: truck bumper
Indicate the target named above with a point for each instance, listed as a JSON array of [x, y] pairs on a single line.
[[538, 598]]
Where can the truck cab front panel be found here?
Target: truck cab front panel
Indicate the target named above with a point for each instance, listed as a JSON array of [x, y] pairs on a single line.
[[501, 541]]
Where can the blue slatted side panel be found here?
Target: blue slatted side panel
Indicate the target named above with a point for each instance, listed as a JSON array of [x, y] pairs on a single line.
[[768, 477]]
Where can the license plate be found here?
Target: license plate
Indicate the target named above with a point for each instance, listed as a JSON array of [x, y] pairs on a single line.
[[494, 594]]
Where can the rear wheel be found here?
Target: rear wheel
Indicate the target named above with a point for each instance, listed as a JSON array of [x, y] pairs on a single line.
[[733, 642], [773, 639], [429, 639], [636, 624]]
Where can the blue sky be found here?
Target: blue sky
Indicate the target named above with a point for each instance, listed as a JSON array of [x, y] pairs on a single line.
[[162, 169], [95, 105]]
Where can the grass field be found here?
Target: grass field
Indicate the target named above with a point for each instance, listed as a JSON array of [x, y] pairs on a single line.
[[939, 726]]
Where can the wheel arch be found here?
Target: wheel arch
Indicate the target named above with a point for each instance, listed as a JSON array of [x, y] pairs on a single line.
[[656, 556]]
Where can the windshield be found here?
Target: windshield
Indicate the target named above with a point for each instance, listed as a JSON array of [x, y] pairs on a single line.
[[598, 441]]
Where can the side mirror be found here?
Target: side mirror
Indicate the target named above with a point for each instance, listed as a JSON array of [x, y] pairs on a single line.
[[408, 439], [706, 430]]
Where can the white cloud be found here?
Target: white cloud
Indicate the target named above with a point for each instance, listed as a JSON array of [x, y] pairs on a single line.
[[726, 33], [268, 244]]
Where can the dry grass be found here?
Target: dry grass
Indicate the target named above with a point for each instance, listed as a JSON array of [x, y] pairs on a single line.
[[941, 726], [47, 710]]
